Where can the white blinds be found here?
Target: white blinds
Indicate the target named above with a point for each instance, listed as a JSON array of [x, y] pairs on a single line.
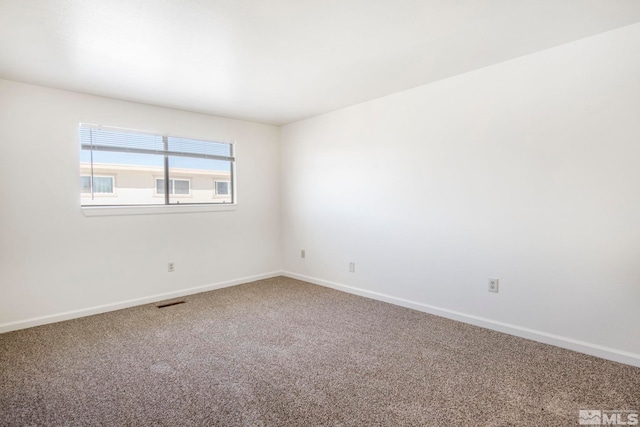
[[108, 139]]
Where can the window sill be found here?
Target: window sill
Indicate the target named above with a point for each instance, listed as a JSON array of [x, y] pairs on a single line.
[[153, 210]]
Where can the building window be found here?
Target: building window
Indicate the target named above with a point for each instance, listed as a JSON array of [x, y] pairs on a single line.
[[151, 169], [222, 188], [101, 184], [176, 186]]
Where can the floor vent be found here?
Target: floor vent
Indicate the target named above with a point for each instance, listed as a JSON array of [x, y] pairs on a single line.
[[169, 304]]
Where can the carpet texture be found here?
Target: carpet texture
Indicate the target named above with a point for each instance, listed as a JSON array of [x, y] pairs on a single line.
[[284, 352]]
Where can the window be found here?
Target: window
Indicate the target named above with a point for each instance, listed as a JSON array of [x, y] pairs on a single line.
[[222, 188], [101, 184], [153, 169], [176, 186]]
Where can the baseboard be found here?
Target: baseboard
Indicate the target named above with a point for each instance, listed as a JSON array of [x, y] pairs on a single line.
[[74, 314], [608, 353], [603, 352]]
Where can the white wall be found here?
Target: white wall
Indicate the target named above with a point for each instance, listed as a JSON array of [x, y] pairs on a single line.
[[54, 259], [528, 171]]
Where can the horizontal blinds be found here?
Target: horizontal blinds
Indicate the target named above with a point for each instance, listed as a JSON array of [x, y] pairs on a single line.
[[195, 146], [105, 139]]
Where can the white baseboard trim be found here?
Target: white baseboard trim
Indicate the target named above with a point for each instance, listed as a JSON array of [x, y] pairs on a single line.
[[603, 352], [74, 314]]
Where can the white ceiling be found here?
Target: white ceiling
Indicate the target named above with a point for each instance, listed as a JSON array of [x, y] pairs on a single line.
[[278, 61]]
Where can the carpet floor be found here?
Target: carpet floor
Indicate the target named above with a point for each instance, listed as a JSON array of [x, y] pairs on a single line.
[[282, 352]]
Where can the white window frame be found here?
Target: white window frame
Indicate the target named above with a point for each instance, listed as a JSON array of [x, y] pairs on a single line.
[[88, 194], [109, 210], [172, 191]]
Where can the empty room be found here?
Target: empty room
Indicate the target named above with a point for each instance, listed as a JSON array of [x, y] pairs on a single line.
[[319, 213]]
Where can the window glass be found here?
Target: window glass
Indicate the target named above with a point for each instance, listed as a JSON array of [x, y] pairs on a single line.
[[85, 184], [123, 168], [102, 184], [180, 186], [130, 182], [222, 188]]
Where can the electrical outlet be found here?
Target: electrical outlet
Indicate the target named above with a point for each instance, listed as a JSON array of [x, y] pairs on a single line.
[[170, 267], [493, 285], [303, 254], [352, 267]]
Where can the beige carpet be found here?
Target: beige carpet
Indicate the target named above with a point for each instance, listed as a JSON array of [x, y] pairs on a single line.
[[284, 352]]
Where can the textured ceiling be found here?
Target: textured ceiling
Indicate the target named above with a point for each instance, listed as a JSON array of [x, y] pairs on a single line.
[[278, 61]]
